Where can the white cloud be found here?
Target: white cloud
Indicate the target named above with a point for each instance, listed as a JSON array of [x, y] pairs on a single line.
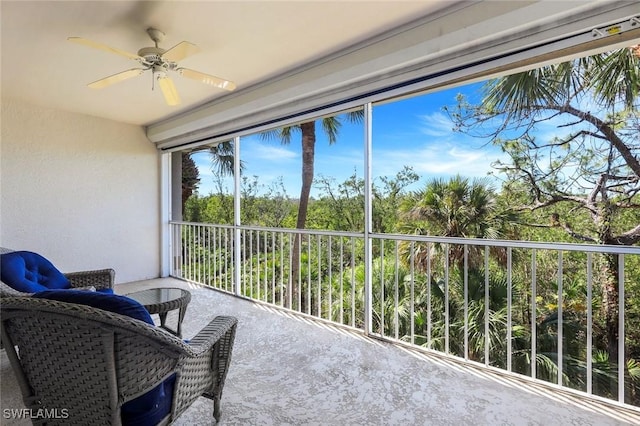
[[444, 158], [436, 124], [271, 151]]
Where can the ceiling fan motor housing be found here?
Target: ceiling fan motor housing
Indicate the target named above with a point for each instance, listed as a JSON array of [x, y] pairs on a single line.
[[152, 55]]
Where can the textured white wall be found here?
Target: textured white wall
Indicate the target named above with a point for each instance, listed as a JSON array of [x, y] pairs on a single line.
[[80, 190]]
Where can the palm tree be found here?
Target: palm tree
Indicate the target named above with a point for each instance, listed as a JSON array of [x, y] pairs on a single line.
[[454, 208], [331, 127]]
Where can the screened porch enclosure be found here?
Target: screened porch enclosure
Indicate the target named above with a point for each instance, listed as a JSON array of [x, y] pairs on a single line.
[[486, 211], [454, 265]]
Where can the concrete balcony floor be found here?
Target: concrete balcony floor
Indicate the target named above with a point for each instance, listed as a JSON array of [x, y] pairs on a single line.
[[290, 370]]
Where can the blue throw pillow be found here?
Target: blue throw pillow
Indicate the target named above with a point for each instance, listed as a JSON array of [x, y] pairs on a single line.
[[109, 302], [30, 273]]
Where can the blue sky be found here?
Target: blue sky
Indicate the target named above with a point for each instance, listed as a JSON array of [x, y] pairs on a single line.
[[413, 132]]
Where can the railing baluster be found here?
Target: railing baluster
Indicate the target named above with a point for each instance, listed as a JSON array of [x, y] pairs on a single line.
[[509, 302], [251, 294], [232, 263], [258, 267], [172, 254], [319, 277], [199, 252], [273, 269], [282, 265], [217, 254], [465, 283], [266, 266], [309, 274], [212, 257], [330, 268], [243, 284], [621, 335], [224, 263], [413, 305], [560, 322], [429, 340], [487, 361], [299, 236], [173, 244], [381, 287], [290, 276], [397, 317], [186, 260], [192, 250], [446, 298], [353, 283], [534, 316], [341, 280], [175, 254], [202, 257], [220, 259], [589, 323]]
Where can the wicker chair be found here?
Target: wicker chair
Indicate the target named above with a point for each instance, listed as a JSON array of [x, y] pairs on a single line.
[[90, 361], [99, 280]]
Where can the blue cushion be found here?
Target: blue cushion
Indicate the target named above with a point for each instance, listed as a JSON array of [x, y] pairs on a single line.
[[148, 409], [29, 272], [109, 302]]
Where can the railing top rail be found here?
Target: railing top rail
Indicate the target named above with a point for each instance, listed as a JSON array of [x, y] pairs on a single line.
[[279, 230], [558, 246]]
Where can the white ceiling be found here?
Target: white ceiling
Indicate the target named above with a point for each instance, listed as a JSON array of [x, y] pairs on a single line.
[[246, 42]]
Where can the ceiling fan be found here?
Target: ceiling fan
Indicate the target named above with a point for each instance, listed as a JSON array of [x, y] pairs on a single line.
[[160, 62]]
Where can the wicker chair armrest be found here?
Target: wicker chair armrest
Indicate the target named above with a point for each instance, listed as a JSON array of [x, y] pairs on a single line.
[[205, 369], [219, 327], [102, 278]]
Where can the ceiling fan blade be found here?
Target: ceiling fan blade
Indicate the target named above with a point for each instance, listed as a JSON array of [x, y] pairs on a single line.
[[116, 78], [207, 79], [180, 51], [101, 46], [169, 90]]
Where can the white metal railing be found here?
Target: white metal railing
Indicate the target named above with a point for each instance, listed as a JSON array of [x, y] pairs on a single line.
[[522, 307]]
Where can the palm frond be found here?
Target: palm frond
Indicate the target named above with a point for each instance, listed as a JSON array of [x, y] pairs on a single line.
[[616, 78], [331, 127], [282, 134], [222, 159]]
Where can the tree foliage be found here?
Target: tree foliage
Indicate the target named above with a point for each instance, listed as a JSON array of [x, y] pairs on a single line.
[[591, 158]]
